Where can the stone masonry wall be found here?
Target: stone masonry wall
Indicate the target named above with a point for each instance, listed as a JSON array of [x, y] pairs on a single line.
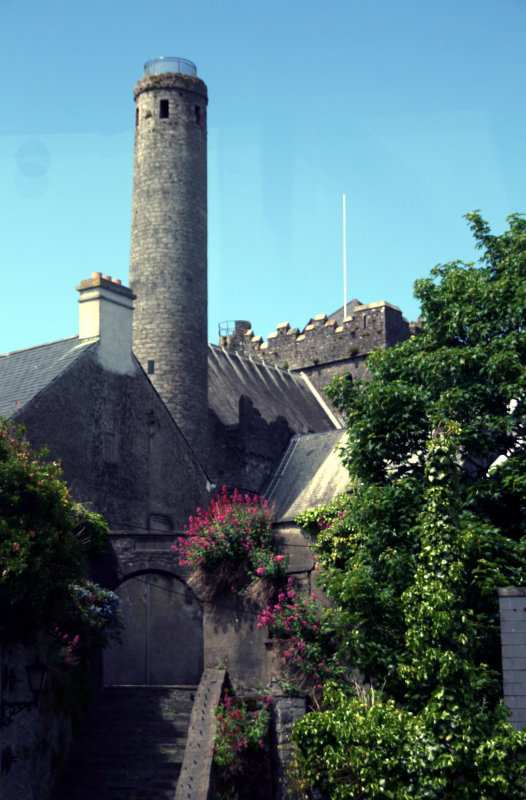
[[512, 603], [325, 348], [168, 255], [120, 451], [36, 739], [287, 710]]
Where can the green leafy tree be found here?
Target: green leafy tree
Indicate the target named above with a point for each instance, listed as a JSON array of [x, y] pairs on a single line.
[[44, 536], [434, 524]]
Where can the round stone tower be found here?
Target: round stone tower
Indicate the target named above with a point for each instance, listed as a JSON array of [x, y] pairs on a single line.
[[168, 258]]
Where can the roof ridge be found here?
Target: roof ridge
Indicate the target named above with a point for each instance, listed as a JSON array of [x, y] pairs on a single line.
[[44, 344], [26, 373]]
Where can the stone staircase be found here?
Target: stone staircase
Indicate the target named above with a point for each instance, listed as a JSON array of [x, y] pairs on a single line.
[[131, 746]]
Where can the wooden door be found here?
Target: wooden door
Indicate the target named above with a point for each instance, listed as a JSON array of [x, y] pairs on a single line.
[[162, 642]]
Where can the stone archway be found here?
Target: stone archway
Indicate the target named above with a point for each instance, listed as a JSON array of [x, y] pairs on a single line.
[[162, 642]]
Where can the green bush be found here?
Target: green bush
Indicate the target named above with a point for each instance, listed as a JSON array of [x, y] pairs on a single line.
[[39, 553], [367, 746], [44, 535]]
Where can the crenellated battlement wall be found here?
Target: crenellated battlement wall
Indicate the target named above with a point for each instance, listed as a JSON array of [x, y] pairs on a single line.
[[325, 348], [370, 327]]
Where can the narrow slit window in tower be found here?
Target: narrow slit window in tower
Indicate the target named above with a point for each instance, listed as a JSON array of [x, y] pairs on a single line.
[[151, 367], [198, 114], [163, 109], [136, 117], [364, 321]]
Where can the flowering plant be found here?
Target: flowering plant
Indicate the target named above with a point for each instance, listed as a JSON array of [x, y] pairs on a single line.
[[239, 728], [310, 628], [63, 649], [233, 534], [97, 611]]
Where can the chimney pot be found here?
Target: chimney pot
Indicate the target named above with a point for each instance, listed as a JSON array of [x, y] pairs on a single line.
[[106, 277], [117, 281], [96, 274]]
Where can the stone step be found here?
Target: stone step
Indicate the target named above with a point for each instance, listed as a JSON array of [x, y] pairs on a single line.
[[131, 746], [157, 729]]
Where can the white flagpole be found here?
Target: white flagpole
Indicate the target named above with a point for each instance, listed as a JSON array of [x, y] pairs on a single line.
[[344, 264]]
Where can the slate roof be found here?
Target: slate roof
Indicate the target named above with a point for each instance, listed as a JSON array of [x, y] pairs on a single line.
[[338, 315], [274, 392], [310, 473], [24, 373]]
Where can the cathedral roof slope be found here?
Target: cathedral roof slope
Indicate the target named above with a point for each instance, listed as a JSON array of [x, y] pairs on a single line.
[[274, 392], [24, 373], [310, 473]]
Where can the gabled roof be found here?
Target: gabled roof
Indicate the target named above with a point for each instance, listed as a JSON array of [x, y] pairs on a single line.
[[339, 315], [310, 473], [24, 373], [274, 392]]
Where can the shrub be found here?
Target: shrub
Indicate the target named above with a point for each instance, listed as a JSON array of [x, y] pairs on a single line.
[[239, 729], [232, 539], [44, 598], [318, 519], [366, 745], [44, 534], [312, 644], [39, 553]]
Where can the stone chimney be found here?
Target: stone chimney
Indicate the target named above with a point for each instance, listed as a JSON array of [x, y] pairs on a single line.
[[106, 312]]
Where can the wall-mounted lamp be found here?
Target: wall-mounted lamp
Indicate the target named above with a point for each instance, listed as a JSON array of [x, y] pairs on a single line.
[[36, 673]]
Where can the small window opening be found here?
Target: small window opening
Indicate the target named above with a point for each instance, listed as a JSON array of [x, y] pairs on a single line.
[[160, 522], [364, 321], [151, 367], [163, 109], [198, 114], [136, 117]]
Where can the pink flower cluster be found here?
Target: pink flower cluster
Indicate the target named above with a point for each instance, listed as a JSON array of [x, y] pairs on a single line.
[[67, 645], [239, 729], [235, 530], [309, 626]]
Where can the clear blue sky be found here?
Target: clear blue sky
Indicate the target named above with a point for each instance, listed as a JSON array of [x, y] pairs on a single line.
[[415, 109]]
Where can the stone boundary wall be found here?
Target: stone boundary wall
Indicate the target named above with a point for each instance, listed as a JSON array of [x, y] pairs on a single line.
[[231, 636], [512, 605], [196, 781], [35, 742], [287, 710], [196, 778], [370, 327]]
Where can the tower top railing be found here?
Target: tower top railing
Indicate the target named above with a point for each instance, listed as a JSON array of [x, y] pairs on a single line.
[[158, 66]]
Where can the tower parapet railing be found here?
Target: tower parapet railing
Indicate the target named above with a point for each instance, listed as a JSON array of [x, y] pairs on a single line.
[[158, 66], [226, 328]]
